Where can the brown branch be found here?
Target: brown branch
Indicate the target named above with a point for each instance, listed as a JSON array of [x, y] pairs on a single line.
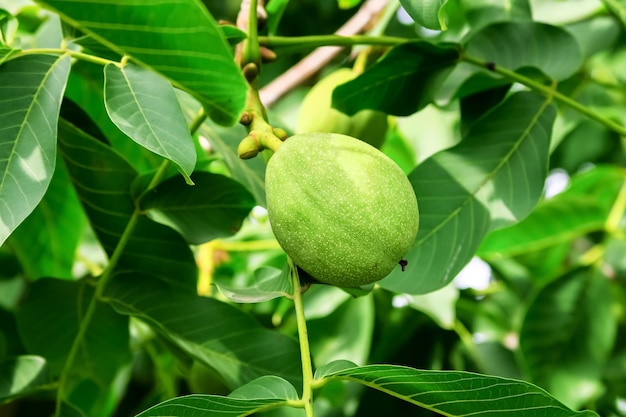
[[313, 62]]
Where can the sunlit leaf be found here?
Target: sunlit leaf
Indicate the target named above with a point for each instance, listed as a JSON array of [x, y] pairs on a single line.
[[85, 88], [22, 375], [480, 13], [214, 207], [456, 393], [567, 335], [32, 87], [345, 333], [178, 38], [211, 405], [618, 7], [47, 240], [427, 13], [400, 83], [515, 45], [143, 105], [581, 209], [264, 387], [269, 283], [494, 177], [216, 333]]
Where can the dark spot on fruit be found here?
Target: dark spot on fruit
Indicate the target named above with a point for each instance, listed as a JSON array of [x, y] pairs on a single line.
[[403, 263]]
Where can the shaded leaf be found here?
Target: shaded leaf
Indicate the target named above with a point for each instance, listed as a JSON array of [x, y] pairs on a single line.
[[143, 105], [515, 45], [400, 83], [456, 393], [49, 319], [103, 181], [22, 375], [32, 87], [211, 405], [215, 333], [178, 38], [269, 283], [568, 334], [214, 207], [494, 177], [427, 13], [47, 240]]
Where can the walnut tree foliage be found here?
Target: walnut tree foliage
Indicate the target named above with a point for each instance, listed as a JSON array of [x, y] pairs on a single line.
[[139, 275]]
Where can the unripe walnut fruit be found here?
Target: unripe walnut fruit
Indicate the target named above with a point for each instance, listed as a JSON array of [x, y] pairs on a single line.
[[317, 115], [341, 209]]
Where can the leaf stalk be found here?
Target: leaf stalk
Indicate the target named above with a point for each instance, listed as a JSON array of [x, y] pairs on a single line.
[[305, 353]]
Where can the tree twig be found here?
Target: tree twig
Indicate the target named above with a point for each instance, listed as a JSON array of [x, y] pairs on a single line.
[[313, 62]]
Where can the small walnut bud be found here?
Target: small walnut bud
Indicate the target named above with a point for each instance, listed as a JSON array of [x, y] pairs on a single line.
[[248, 148]]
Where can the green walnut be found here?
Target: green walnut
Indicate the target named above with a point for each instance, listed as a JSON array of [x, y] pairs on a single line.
[[317, 115], [341, 209]]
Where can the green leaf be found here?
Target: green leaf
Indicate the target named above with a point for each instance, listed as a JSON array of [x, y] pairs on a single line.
[[568, 334], [556, 221], [143, 105], [32, 87], [427, 13], [213, 332], [516, 45], [401, 83], [178, 38], [345, 333], [85, 88], [22, 375], [49, 319], [233, 34], [480, 13], [583, 208], [456, 393], [618, 7], [268, 386], [494, 177], [275, 10], [250, 172], [439, 305], [215, 207], [47, 240], [211, 405], [333, 367], [269, 283], [107, 201]]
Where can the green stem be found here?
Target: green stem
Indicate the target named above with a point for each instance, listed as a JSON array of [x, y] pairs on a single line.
[[106, 277], [329, 40], [546, 90], [336, 40], [73, 54], [93, 303], [251, 52], [305, 353]]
